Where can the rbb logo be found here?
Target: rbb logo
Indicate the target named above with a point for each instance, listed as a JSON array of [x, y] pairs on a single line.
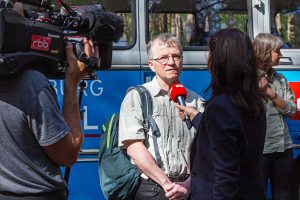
[[40, 43], [295, 86]]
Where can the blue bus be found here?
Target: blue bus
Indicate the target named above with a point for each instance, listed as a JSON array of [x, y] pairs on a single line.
[[193, 21]]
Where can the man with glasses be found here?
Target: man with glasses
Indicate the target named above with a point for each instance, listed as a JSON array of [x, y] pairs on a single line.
[[169, 178]]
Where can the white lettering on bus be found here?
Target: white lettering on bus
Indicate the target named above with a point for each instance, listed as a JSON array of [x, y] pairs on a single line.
[[85, 121], [93, 86], [96, 91]]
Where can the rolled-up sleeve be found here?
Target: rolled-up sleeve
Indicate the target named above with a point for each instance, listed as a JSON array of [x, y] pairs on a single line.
[[131, 119]]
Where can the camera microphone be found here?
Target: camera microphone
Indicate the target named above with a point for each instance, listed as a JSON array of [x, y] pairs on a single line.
[[104, 27], [178, 95]]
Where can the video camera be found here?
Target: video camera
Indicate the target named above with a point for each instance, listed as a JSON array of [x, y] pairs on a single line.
[[28, 41]]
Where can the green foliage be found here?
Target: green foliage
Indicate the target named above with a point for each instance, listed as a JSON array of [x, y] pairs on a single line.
[[234, 21]]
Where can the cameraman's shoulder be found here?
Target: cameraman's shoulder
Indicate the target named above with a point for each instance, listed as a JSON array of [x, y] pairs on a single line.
[[34, 75], [34, 78]]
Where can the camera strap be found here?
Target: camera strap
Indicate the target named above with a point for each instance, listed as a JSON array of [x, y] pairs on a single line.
[[91, 63], [91, 66]]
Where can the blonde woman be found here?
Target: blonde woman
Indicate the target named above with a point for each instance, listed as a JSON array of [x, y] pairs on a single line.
[[279, 104]]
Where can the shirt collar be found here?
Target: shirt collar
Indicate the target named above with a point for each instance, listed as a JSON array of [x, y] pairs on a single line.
[[155, 89]]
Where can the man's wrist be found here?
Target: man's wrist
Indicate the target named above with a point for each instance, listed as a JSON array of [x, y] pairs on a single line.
[[166, 184], [72, 79]]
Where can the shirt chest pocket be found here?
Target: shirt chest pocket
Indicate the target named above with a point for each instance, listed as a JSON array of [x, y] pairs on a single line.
[[162, 107], [165, 115]]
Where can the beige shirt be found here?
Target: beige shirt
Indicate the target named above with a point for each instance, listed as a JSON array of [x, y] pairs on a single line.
[[175, 140], [278, 138]]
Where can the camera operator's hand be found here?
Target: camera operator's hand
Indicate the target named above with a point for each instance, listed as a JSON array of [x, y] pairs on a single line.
[[75, 70], [90, 49], [78, 71]]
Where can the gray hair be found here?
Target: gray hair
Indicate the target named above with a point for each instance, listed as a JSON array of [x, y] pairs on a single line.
[[264, 44], [163, 39]]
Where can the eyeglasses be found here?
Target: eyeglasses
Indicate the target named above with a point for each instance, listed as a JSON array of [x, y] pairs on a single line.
[[165, 59]]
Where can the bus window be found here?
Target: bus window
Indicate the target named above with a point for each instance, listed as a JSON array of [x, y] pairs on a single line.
[[285, 22], [194, 21], [124, 8]]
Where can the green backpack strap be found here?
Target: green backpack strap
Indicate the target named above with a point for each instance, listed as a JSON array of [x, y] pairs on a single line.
[[110, 126]]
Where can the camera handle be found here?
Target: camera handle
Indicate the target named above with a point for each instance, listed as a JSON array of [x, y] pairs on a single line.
[[91, 64]]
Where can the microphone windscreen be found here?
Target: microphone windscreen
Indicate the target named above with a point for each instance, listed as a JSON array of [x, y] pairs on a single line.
[[108, 27], [177, 89]]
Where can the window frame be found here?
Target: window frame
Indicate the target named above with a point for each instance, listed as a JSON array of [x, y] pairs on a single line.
[[196, 48]]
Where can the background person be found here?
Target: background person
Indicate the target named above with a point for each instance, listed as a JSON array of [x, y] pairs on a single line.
[[174, 142], [35, 137], [279, 103], [226, 156]]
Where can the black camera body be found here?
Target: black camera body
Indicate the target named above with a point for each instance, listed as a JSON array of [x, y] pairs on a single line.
[[36, 44], [26, 43]]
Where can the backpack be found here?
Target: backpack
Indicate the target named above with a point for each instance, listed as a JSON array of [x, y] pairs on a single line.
[[119, 178]]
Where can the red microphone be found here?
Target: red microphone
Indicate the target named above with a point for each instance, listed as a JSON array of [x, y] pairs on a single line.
[[178, 95]]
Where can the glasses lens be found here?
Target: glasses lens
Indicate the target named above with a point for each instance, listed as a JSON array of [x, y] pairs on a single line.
[[164, 60], [177, 57]]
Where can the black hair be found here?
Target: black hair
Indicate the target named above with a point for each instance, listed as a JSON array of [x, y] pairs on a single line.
[[232, 64]]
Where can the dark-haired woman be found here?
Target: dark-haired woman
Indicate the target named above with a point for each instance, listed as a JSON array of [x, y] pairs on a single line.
[[279, 103], [227, 155]]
